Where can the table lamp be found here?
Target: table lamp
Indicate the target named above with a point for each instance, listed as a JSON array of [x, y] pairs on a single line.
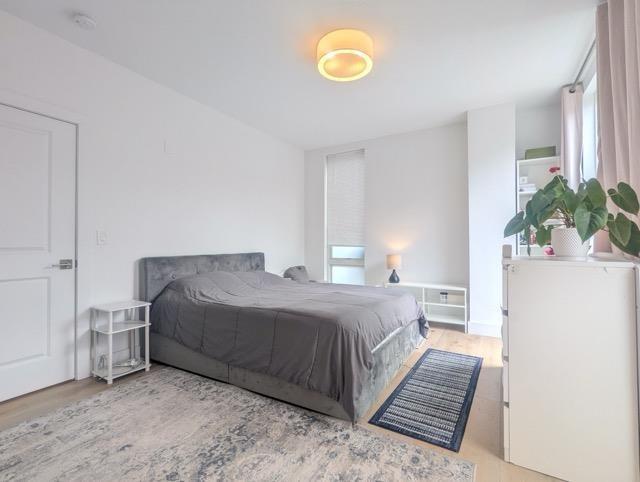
[[394, 261]]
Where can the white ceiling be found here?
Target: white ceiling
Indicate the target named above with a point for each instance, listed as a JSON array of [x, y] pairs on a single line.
[[255, 59]]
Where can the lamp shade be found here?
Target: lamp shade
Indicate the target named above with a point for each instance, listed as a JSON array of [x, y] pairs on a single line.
[[394, 261], [345, 55]]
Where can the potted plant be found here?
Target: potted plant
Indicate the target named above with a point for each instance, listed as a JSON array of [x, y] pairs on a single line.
[[568, 219]]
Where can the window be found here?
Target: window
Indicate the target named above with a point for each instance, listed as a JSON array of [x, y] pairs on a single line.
[[345, 217], [346, 264], [347, 275]]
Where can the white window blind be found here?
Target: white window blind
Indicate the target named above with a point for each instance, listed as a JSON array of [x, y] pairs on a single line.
[[345, 198]]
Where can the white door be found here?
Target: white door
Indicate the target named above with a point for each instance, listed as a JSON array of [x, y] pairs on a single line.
[[37, 230]]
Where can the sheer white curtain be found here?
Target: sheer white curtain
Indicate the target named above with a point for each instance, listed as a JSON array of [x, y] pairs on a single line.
[[345, 198], [571, 140], [618, 50]]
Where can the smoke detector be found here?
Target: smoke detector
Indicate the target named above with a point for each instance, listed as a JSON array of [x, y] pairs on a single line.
[[84, 21]]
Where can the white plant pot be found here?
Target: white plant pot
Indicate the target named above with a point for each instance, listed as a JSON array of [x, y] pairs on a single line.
[[566, 243]]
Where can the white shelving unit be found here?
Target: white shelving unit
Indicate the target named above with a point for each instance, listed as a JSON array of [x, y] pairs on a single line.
[[104, 324], [452, 312], [537, 172]]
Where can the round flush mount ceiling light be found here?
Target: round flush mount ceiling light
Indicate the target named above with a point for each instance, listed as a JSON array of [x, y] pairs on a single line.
[[84, 21], [345, 55]]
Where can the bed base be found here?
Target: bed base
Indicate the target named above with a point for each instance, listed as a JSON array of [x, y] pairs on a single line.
[[388, 359]]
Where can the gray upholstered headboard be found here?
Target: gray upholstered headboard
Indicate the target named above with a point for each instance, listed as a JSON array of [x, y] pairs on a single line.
[[156, 273]]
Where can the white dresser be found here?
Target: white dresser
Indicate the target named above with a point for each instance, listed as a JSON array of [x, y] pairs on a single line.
[[570, 376]]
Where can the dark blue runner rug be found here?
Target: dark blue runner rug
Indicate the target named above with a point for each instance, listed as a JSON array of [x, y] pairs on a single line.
[[432, 403]]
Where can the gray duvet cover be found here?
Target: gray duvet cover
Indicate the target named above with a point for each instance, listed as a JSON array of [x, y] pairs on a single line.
[[318, 336]]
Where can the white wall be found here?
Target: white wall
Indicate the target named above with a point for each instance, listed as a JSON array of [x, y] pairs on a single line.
[[222, 186], [491, 169], [416, 204], [315, 232], [537, 127]]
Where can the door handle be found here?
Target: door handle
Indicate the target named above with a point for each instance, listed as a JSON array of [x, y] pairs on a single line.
[[62, 264]]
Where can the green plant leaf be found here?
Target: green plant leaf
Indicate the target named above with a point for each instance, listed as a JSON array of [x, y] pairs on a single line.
[[530, 217], [547, 214], [633, 246], [571, 200], [582, 191], [542, 206], [515, 225], [620, 228], [589, 221], [556, 186], [625, 198], [543, 235], [595, 193], [541, 200]]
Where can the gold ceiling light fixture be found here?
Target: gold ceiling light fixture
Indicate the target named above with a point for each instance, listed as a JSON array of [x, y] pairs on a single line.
[[344, 55]]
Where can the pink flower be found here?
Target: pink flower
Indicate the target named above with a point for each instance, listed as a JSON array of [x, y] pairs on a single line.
[[548, 250], [554, 169]]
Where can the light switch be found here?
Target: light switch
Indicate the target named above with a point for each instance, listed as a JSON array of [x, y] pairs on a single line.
[[169, 147], [101, 237]]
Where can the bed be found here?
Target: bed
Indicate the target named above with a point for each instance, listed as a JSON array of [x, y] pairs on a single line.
[[330, 348]]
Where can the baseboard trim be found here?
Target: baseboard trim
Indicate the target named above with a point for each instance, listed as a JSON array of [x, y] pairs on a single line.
[[485, 329]]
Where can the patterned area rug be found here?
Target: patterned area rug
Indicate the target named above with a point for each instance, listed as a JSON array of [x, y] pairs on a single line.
[[173, 425], [433, 401]]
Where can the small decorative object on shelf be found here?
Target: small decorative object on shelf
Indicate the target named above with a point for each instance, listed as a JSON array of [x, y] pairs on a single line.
[[394, 261], [569, 219], [443, 296], [119, 320]]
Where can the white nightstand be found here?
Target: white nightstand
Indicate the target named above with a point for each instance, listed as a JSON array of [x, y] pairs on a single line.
[[117, 320], [453, 311]]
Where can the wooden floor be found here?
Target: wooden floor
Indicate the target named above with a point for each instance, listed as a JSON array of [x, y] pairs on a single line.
[[481, 443], [482, 439]]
